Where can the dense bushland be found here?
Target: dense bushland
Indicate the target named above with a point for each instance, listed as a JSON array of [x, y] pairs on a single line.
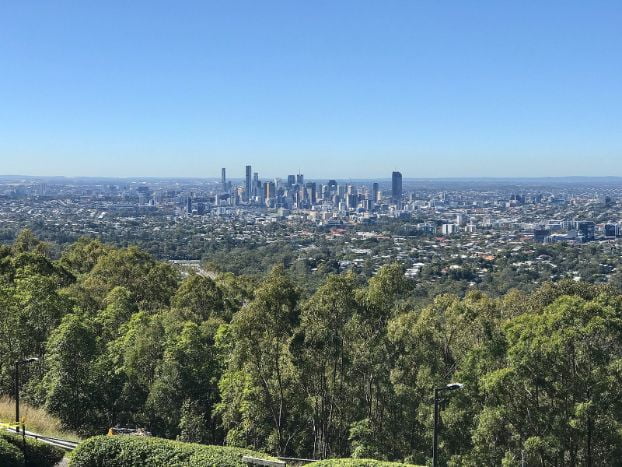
[[344, 370]]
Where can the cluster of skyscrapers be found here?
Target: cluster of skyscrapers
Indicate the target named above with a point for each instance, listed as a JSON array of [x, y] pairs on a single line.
[[294, 192]]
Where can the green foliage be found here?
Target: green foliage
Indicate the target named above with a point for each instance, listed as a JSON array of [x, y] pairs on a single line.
[[339, 368], [261, 368], [356, 463], [34, 453], [10, 456], [69, 387], [82, 255], [199, 298], [121, 451]]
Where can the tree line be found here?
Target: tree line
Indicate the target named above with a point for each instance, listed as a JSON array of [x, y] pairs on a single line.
[[347, 369]]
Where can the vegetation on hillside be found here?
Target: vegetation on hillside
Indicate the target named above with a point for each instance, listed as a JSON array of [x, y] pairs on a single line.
[[344, 369]]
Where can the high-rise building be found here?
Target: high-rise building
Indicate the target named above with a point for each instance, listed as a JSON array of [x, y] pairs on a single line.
[[351, 201], [223, 179], [269, 190], [300, 179], [312, 192], [256, 185], [396, 186], [586, 230], [291, 180], [375, 190], [247, 194], [611, 230]]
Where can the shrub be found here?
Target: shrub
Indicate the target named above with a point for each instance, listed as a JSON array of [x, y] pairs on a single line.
[[120, 451], [36, 453], [10, 456], [356, 463]]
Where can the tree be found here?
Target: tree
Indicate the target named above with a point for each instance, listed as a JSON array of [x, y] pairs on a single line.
[[558, 398], [322, 354], [27, 242], [82, 256], [185, 387], [69, 389], [198, 298], [261, 367]]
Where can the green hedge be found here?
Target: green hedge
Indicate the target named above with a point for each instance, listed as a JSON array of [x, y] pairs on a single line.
[[36, 453], [356, 463], [138, 451], [10, 456]]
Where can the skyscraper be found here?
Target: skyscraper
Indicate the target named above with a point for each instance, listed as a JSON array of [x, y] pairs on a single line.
[[312, 192], [291, 180], [375, 192], [396, 186], [247, 194], [269, 190], [300, 179], [223, 179]]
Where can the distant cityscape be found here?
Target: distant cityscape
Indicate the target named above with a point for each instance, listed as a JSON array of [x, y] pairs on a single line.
[[545, 215], [415, 222]]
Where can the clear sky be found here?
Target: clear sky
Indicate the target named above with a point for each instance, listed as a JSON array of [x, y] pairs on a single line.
[[335, 88]]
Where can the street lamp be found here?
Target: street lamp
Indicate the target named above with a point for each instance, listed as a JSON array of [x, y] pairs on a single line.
[[17, 364], [437, 400]]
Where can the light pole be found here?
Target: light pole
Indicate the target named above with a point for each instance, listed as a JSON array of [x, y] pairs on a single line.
[[437, 400], [17, 364]]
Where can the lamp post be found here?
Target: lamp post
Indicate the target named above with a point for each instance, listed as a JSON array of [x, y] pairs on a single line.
[[437, 400], [17, 364]]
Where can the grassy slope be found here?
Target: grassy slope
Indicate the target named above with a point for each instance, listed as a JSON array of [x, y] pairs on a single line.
[[37, 420]]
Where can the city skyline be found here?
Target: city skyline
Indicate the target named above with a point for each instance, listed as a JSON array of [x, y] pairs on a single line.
[[354, 89]]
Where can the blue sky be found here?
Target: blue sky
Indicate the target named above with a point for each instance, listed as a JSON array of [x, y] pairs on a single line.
[[334, 88]]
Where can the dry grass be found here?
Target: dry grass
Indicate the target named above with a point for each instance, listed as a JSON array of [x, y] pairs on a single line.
[[37, 420]]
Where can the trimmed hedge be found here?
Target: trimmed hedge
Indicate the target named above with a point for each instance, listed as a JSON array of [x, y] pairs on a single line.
[[10, 456], [35, 453], [138, 451], [356, 463]]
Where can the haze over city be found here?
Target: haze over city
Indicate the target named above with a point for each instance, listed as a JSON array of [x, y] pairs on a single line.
[[347, 89]]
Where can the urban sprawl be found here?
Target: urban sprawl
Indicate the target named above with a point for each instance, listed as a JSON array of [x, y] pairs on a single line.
[[439, 227]]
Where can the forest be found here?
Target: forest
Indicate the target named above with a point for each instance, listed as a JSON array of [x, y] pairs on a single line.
[[346, 368]]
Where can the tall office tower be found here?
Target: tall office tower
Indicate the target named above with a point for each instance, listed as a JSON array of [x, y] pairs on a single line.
[[256, 184], [312, 192], [375, 191], [325, 191], [247, 194], [223, 178], [396, 186], [352, 201], [300, 179], [189, 205], [269, 190], [291, 180]]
